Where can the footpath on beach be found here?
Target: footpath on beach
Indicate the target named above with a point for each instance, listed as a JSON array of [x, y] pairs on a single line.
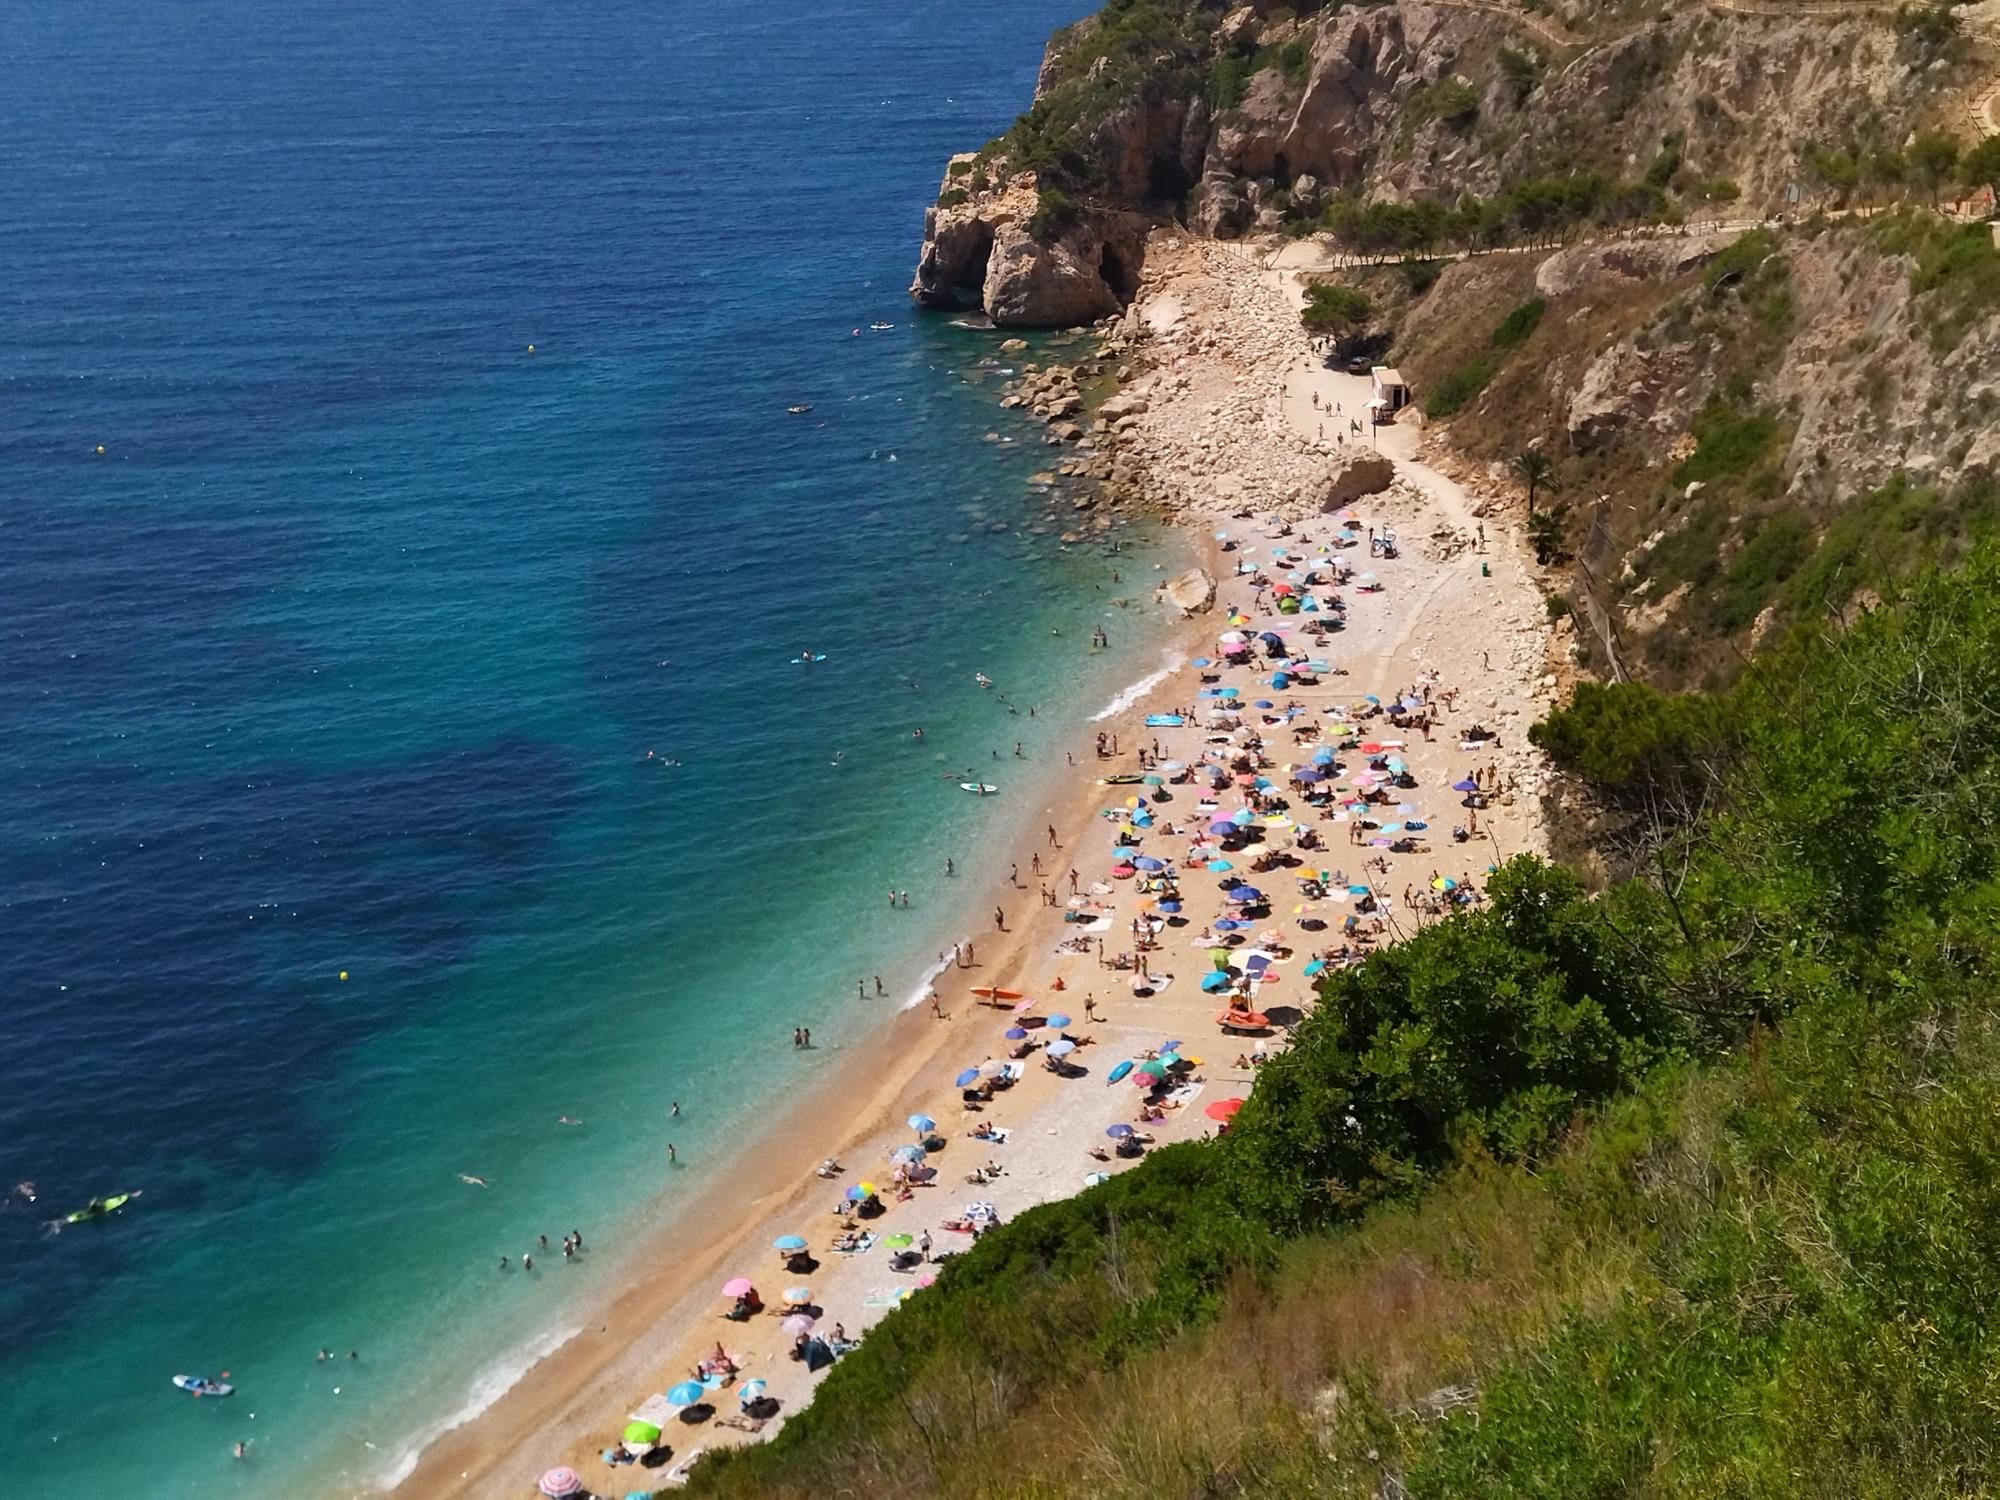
[[1340, 757]]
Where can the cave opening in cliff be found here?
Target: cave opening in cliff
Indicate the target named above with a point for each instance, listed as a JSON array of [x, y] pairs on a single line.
[[1118, 274]]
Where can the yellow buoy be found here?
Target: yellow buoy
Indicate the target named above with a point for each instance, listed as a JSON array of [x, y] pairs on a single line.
[[343, 974]]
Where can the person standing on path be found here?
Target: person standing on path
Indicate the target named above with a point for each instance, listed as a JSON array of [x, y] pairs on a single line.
[[999, 919]]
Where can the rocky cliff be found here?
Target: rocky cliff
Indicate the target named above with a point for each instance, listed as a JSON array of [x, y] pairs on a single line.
[[1255, 119]]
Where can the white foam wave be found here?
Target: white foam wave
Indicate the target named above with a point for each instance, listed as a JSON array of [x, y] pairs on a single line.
[[493, 1383], [1131, 695], [923, 990]]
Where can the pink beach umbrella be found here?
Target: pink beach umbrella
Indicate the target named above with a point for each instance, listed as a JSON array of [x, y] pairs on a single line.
[[796, 1325], [739, 1287], [559, 1483]]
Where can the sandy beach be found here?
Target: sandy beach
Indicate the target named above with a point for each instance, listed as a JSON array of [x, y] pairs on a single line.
[[1234, 437]]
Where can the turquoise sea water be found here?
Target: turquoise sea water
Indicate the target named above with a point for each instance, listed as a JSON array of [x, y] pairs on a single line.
[[348, 650]]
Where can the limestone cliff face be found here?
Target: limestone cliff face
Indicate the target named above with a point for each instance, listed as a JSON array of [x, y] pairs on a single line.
[[1350, 101], [979, 252]]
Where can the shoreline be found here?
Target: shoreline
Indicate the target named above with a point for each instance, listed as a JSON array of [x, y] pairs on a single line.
[[1227, 430], [601, 1366]]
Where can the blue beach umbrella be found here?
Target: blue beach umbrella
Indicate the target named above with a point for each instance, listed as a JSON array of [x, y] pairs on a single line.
[[1467, 785], [1147, 862], [1171, 908], [1263, 703], [1229, 924], [1173, 1046], [1307, 778], [1314, 967], [1246, 895], [788, 1242], [750, 1392], [1214, 981], [687, 1393], [922, 1124], [1015, 1033], [1220, 864], [1057, 1021], [1062, 1047], [910, 1152], [1223, 826], [966, 1079], [1118, 1132], [1202, 661], [1323, 756], [1119, 1072]]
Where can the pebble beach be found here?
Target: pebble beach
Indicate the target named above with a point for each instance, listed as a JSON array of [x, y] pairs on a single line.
[[1274, 768]]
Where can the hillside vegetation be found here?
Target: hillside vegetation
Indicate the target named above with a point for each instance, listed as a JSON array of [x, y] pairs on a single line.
[[1691, 1187]]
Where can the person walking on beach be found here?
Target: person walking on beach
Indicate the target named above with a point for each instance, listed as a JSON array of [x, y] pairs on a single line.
[[999, 919], [1053, 844], [937, 1006], [1035, 863], [924, 1244], [1014, 876], [1072, 882], [1090, 1007]]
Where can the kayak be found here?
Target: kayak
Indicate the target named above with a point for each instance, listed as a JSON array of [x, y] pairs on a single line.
[[1123, 778], [804, 661], [978, 788], [988, 992], [1164, 721], [201, 1385], [98, 1208]]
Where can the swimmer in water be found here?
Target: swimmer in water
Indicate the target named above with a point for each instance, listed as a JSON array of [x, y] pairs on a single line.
[[567, 1120], [472, 1181]]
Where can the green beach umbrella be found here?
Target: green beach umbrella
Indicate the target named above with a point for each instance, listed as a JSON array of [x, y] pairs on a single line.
[[900, 1241], [641, 1432]]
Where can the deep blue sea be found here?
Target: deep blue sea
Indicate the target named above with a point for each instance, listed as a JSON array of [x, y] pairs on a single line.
[[336, 628]]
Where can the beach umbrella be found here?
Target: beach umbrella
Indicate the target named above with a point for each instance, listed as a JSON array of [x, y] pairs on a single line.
[[992, 1068], [1155, 1067], [1201, 661], [911, 1153], [1214, 982], [1015, 1033], [966, 1079], [1057, 1021], [738, 1286], [1173, 767], [1092, 1179], [559, 1483], [751, 1392], [1263, 703], [1148, 863], [1323, 756], [1119, 1072], [1171, 908], [788, 1242], [798, 1296], [1307, 778], [1229, 924], [1246, 895], [796, 1324], [1316, 966], [921, 1123], [1061, 1048], [687, 1393], [1468, 785], [1223, 1109], [640, 1434], [1118, 1132], [1155, 781], [861, 1192]]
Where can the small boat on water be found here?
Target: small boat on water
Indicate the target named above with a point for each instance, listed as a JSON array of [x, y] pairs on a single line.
[[881, 327], [978, 788], [798, 411], [201, 1385]]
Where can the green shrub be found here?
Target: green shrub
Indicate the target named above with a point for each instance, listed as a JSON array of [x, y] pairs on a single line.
[[1774, 552], [1730, 441], [958, 169], [1054, 215], [1460, 388], [1519, 325], [1334, 308], [1228, 81], [1958, 276], [1740, 258], [1449, 100], [952, 197], [1521, 71]]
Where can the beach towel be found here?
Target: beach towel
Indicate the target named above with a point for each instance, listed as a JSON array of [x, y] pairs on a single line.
[[677, 1476], [881, 1297], [867, 1243]]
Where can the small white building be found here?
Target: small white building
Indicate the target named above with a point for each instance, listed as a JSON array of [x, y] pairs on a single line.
[[1391, 393]]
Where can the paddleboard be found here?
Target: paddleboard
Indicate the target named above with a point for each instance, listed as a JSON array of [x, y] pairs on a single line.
[[988, 992], [800, 661], [201, 1385], [1165, 721], [982, 788]]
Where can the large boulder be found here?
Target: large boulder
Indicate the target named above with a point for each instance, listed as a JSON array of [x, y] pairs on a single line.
[[1629, 391], [1059, 284], [1355, 475], [1193, 593]]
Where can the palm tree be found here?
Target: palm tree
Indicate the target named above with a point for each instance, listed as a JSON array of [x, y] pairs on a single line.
[[1536, 470]]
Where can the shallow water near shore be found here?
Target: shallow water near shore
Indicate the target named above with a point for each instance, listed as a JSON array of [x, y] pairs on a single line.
[[348, 652]]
